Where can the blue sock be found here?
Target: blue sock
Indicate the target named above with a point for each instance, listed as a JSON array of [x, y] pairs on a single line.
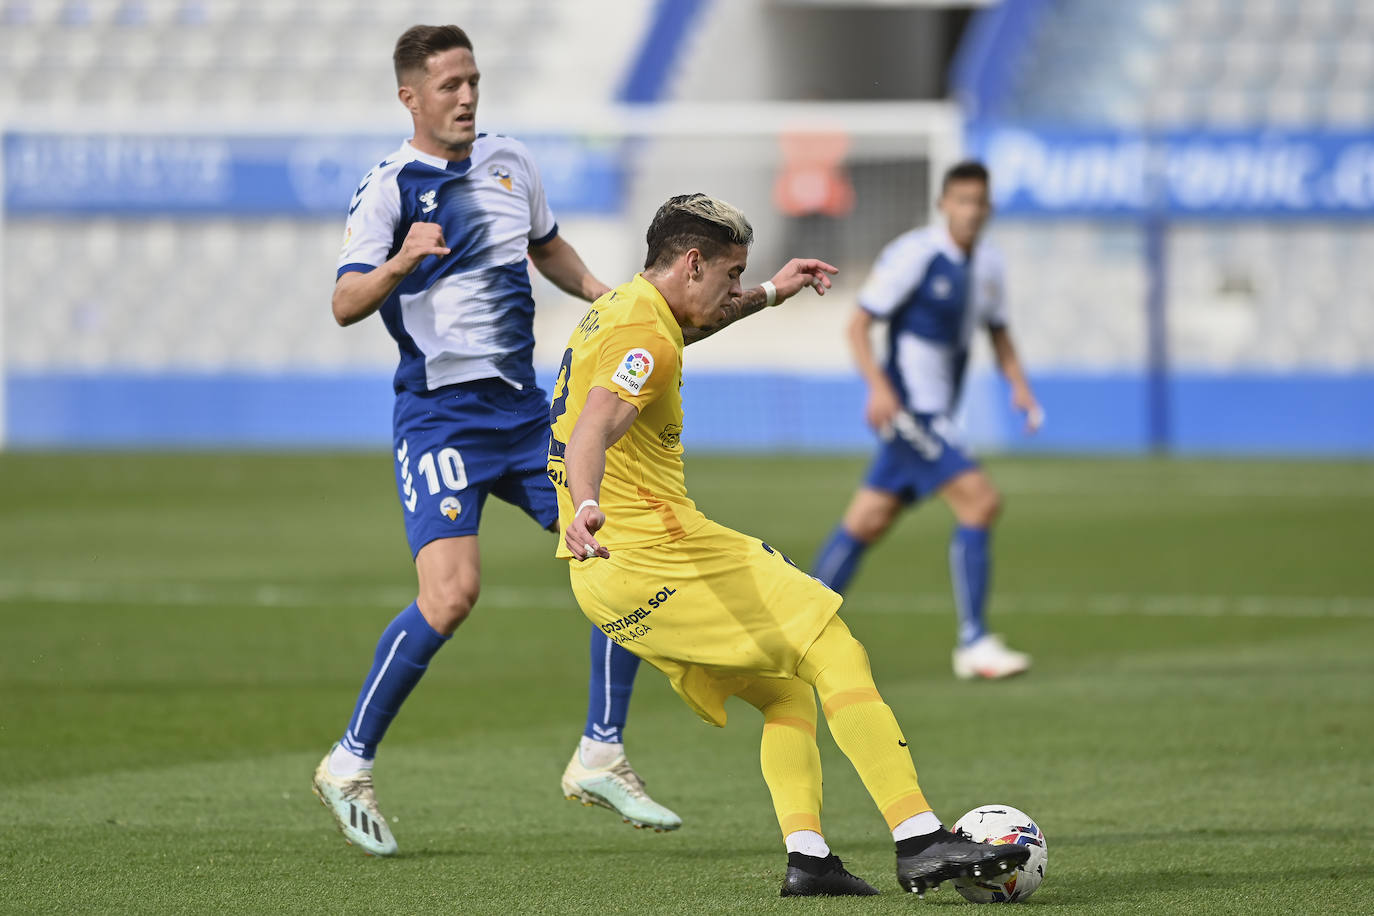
[[403, 654], [970, 568], [839, 559], [608, 694]]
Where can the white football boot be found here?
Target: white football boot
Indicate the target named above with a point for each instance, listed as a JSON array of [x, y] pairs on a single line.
[[618, 787], [354, 806], [989, 658]]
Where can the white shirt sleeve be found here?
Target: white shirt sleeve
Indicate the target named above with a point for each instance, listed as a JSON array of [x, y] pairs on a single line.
[[895, 275], [542, 223], [990, 287], [373, 216]]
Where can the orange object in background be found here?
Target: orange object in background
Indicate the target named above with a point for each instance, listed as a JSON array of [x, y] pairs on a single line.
[[813, 181]]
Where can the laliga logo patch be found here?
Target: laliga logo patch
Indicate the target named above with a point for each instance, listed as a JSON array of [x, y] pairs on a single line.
[[450, 507], [501, 174], [634, 370]]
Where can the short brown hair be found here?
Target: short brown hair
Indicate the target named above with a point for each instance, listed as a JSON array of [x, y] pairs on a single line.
[[695, 221], [421, 42], [968, 170]]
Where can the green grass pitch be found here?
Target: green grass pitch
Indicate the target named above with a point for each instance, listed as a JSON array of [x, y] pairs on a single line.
[[182, 636]]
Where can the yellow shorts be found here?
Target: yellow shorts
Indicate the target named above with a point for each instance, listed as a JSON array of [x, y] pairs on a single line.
[[712, 611]]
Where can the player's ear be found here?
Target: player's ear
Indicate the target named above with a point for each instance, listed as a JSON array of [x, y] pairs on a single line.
[[407, 97], [694, 263]]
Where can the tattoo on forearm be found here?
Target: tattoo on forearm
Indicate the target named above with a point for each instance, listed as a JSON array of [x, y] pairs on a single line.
[[749, 302]]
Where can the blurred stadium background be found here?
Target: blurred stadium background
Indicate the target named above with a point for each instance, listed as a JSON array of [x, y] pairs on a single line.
[[1185, 191]]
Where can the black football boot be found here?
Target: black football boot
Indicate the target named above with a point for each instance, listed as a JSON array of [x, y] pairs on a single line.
[[924, 861], [811, 876]]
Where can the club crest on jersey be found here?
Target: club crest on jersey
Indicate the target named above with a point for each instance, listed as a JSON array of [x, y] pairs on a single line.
[[429, 202], [450, 507], [940, 287], [501, 174], [634, 370]]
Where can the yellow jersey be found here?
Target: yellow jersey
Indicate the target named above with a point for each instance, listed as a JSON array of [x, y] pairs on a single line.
[[628, 343]]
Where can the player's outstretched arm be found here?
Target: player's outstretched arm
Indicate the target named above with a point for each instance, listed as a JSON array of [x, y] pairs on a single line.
[[603, 420], [795, 276], [558, 261], [358, 294], [1022, 398]]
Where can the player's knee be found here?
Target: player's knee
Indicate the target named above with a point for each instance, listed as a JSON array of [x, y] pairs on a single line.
[[869, 523], [797, 704], [838, 666], [447, 604], [866, 529], [987, 507], [979, 508]]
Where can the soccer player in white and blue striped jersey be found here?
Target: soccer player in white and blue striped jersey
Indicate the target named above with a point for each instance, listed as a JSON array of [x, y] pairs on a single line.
[[933, 287], [437, 239]]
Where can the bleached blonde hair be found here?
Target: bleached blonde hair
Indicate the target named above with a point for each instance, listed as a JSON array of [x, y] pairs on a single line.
[[695, 221]]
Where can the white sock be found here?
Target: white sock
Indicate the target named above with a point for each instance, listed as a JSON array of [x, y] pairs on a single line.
[[916, 825], [808, 843], [343, 762], [597, 754]]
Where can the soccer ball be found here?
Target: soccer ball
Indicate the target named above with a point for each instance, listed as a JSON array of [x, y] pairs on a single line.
[[1004, 824]]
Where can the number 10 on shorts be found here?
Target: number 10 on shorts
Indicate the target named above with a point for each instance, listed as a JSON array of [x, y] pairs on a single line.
[[445, 465]]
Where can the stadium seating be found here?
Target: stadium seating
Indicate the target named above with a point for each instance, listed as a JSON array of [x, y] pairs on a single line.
[[249, 55], [1260, 295], [1171, 63]]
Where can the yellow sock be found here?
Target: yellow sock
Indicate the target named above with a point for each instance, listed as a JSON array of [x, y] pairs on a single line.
[[862, 724], [788, 755]]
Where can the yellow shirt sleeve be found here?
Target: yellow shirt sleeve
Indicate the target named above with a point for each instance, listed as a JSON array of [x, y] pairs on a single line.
[[638, 364]]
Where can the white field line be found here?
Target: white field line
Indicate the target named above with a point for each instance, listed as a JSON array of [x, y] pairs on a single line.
[[194, 594]]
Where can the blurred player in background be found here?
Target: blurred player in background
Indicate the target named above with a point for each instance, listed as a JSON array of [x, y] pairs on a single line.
[[437, 238], [720, 613], [933, 287]]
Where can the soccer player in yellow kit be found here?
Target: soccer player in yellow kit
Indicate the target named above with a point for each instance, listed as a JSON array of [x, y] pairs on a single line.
[[720, 613]]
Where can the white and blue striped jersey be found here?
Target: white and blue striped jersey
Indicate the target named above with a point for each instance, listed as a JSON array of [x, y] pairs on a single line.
[[932, 298], [468, 315]]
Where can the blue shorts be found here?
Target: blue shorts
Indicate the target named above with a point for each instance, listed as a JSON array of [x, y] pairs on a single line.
[[455, 445], [918, 460]]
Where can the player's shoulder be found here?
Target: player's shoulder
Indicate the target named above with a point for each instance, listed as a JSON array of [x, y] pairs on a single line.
[[389, 166], [383, 178], [912, 248], [628, 304], [377, 196], [921, 242], [988, 258], [631, 307], [494, 146]]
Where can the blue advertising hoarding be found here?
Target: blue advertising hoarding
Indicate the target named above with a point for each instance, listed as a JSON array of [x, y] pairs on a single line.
[[301, 175], [1051, 172]]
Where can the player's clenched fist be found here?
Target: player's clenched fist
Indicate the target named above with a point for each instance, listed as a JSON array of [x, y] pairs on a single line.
[[423, 240], [580, 534]]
